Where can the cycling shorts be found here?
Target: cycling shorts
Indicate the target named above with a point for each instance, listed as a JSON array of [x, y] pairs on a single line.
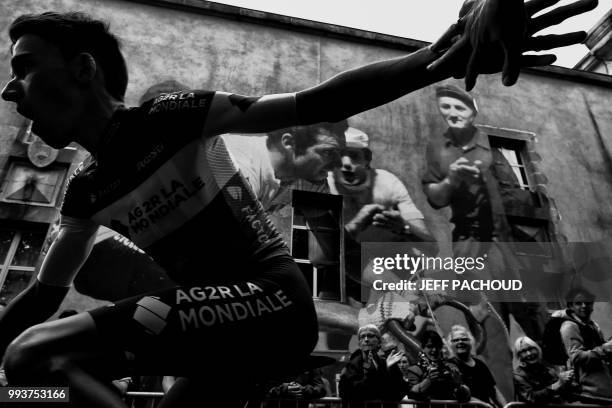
[[266, 322]]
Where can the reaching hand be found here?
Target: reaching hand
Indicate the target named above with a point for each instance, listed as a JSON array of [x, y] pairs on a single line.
[[566, 376], [461, 170], [389, 219], [394, 357], [295, 390], [363, 218], [434, 374], [492, 35]]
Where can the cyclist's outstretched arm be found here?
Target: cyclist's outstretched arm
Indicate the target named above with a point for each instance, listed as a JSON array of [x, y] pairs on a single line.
[[38, 302], [344, 95]]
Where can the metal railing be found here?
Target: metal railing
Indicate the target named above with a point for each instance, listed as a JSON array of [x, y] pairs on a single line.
[[335, 402], [574, 405]]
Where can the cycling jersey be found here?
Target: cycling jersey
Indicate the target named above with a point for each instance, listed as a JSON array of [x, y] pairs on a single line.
[[178, 196], [174, 193]]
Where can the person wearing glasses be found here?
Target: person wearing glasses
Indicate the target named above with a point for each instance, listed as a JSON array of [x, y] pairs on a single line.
[[474, 372]]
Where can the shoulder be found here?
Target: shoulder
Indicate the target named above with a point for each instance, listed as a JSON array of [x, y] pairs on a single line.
[[248, 145], [436, 143], [479, 362], [386, 176], [451, 363], [415, 370], [76, 195], [568, 325], [388, 185], [481, 365], [455, 361], [355, 361], [181, 101], [519, 372], [182, 113]]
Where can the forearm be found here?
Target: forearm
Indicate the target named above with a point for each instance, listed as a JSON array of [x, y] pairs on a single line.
[[352, 230], [527, 392], [498, 398], [367, 87], [578, 356], [574, 346], [420, 389], [418, 228], [34, 305], [315, 390], [439, 194]]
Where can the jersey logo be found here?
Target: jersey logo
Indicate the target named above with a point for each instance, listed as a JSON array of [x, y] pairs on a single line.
[[172, 196]]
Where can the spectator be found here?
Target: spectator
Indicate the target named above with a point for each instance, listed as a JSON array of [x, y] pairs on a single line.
[[389, 206], [365, 377], [584, 344], [433, 377], [307, 386], [534, 381], [376, 208], [473, 178], [475, 373]]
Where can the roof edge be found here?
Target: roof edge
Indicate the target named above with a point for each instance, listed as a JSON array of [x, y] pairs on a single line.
[[347, 33]]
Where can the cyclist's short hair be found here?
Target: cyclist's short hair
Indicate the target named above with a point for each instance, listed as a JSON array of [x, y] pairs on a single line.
[[306, 136], [76, 32]]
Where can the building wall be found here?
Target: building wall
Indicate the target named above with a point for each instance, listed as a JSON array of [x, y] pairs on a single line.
[[568, 112]]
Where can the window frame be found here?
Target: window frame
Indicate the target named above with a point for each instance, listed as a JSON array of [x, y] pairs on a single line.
[[7, 262], [515, 136], [58, 187]]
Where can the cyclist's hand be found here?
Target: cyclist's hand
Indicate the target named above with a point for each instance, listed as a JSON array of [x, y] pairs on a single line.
[[492, 35]]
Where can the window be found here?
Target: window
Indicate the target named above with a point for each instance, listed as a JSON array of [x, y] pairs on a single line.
[[527, 214], [316, 242], [517, 165], [514, 152], [27, 184], [19, 252]]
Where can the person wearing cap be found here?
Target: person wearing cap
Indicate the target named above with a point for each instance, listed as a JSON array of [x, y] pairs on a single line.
[[374, 197], [366, 377], [476, 181], [376, 208], [462, 171]]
